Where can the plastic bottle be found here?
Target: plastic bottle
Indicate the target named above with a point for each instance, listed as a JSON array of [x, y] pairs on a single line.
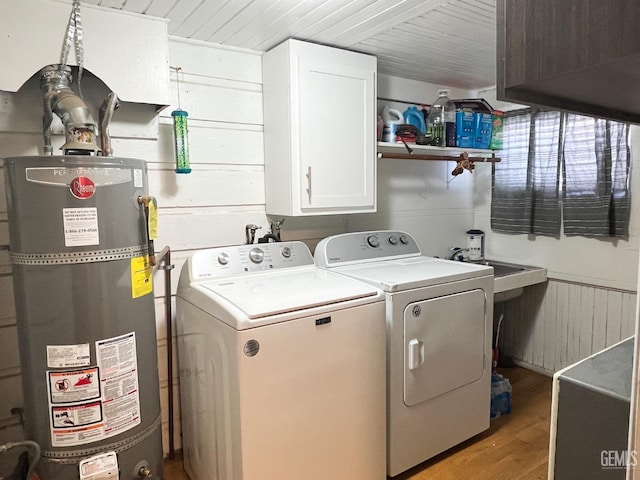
[[392, 118], [451, 133], [379, 128], [425, 114], [413, 116], [500, 396], [441, 122]]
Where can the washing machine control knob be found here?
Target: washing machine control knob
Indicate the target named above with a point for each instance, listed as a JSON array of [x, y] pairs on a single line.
[[373, 241], [393, 240], [403, 239], [256, 255], [223, 259], [286, 252]]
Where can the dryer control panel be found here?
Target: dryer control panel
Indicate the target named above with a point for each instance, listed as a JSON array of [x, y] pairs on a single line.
[[243, 259], [365, 246]]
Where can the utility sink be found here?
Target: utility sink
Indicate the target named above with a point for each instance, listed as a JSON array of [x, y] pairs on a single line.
[[500, 270], [511, 278]]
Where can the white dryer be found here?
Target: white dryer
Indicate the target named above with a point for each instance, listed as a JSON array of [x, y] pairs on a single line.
[[439, 327], [282, 367]]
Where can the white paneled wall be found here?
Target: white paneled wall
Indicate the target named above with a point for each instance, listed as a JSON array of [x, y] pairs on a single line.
[[555, 324], [420, 197]]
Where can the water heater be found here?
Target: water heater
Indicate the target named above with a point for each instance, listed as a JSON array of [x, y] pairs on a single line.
[[85, 315]]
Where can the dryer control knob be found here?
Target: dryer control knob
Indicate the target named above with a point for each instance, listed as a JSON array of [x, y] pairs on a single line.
[[373, 241], [404, 239], [393, 240], [223, 259], [256, 255], [286, 252]]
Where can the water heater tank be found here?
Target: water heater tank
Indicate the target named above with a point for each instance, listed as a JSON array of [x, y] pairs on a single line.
[[85, 314]]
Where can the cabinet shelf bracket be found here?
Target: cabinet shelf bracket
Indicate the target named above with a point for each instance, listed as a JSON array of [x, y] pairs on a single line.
[[421, 156]]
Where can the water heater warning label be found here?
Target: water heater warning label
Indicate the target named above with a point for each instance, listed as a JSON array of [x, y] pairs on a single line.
[[74, 386], [65, 356], [75, 407], [98, 402], [118, 364], [80, 226], [141, 280], [77, 416], [101, 466]]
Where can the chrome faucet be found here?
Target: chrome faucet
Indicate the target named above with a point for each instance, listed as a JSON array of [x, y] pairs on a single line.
[[455, 251]]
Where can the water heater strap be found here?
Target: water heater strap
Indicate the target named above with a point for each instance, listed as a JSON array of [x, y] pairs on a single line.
[[78, 257], [70, 457]]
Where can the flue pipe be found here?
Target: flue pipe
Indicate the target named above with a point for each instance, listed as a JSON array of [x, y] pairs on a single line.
[[79, 125]]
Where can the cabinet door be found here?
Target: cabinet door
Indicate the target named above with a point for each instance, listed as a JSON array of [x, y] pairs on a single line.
[[576, 55], [336, 121]]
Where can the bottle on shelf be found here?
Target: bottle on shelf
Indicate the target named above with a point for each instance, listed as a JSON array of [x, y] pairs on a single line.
[[441, 122], [425, 113], [391, 118], [413, 116]]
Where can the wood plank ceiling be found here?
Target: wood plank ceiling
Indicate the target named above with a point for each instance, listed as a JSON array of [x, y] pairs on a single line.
[[449, 42]]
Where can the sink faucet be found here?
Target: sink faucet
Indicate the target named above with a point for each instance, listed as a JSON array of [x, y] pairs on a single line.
[[456, 253]]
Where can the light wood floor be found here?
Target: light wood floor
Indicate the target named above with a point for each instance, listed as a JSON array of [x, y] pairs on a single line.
[[514, 448]]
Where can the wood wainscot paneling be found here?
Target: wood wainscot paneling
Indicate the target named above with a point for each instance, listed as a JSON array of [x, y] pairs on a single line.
[[556, 324]]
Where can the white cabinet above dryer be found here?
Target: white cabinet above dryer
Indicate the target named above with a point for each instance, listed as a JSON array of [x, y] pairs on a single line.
[[319, 130]]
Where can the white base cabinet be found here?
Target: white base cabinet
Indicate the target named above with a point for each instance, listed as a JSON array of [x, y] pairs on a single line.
[[319, 130]]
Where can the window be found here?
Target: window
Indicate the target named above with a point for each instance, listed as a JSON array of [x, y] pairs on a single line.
[[561, 171]]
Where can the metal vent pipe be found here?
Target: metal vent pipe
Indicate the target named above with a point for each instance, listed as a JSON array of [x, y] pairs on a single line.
[[80, 127]]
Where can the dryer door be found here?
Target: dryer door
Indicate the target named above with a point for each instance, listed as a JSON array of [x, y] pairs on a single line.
[[444, 339]]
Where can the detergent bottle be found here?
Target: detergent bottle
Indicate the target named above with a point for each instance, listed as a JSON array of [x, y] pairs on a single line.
[[415, 117], [392, 118]]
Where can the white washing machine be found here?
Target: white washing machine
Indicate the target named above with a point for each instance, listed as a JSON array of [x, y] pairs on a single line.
[[282, 367], [439, 327]]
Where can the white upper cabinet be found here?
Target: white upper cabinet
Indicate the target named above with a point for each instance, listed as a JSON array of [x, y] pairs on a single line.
[[319, 130]]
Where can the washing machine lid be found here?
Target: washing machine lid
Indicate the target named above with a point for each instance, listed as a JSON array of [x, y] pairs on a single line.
[[414, 272], [272, 293]]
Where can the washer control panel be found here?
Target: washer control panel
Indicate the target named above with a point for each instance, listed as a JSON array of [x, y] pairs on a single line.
[[361, 246], [244, 259]]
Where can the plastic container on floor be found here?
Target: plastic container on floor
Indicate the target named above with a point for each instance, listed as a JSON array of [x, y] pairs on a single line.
[[500, 396]]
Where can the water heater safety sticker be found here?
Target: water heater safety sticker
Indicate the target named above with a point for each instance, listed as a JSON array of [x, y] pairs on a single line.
[[91, 404], [138, 178], [80, 226], [141, 280], [76, 424], [65, 356], [74, 386], [101, 466], [75, 407], [78, 416], [118, 363]]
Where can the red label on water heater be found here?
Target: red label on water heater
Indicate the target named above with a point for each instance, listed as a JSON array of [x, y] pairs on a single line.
[[82, 187]]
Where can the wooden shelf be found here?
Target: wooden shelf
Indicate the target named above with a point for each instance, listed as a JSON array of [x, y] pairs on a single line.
[[427, 152]]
